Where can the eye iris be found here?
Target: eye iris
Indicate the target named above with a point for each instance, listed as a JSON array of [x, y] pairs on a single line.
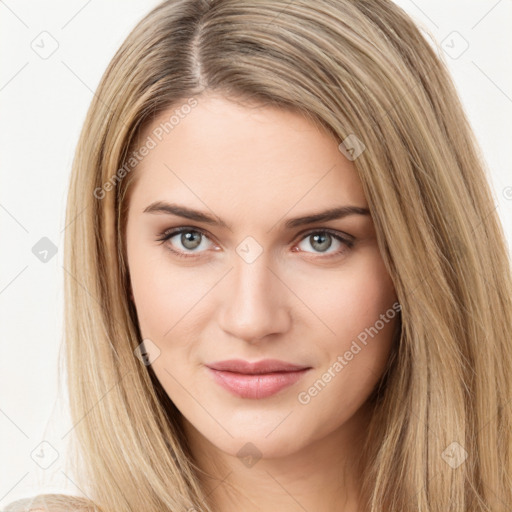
[[323, 240], [191, 239]]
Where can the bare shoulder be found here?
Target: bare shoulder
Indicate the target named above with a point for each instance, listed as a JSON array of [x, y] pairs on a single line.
[[52, 503]]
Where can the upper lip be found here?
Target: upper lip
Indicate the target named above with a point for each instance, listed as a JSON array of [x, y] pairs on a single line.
[[258, 367]]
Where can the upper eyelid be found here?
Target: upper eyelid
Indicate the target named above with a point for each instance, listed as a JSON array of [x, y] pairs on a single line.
[[171, 232]]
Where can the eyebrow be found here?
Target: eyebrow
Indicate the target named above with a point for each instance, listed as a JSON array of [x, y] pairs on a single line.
[[163, 207]]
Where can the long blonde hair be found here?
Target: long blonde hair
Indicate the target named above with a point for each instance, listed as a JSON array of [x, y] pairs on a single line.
[[440, 437]]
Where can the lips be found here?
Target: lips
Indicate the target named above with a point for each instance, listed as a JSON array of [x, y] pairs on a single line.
[[260, 379], [258, 367]]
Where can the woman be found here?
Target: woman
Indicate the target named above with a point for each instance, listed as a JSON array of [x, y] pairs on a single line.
[[259, 182]]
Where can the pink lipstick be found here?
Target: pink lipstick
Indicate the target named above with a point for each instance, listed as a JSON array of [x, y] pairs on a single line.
[[260, 379]]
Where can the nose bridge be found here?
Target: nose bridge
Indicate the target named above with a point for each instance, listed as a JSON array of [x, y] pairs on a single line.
[[255, 302]]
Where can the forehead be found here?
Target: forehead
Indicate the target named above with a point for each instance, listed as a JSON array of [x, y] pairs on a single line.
[[255, 159]]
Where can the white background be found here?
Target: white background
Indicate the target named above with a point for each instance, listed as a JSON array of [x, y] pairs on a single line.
[[44, 102]]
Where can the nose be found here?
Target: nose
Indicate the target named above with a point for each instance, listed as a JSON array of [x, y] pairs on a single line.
[[255, 302]]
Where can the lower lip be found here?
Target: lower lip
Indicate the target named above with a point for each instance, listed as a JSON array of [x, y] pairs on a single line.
[[256, 386]]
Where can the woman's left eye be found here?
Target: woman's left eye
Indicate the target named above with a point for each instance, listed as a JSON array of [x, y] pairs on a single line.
[[324, 240], [328, 242]]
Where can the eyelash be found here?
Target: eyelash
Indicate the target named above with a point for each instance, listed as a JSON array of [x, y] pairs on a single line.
[[348, 243]]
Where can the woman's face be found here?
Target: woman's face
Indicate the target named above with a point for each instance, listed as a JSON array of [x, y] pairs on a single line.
[[253, 276]]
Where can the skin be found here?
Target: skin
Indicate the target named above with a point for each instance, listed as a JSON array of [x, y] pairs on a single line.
[[255, 167]]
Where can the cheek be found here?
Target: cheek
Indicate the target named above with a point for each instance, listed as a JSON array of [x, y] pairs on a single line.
[[355, 319], [154, 289], [168, 300], [358, 308], [149, 287], [347, 300]]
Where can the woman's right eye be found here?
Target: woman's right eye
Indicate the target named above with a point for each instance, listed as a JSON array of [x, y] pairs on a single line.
[[190, 240]]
